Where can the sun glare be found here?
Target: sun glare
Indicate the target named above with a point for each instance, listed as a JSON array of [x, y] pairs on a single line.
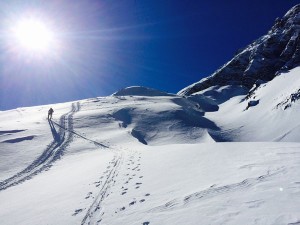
[[33, 35]]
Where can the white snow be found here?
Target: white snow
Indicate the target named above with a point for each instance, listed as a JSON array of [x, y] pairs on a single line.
[[146, 157], [141, 91], [268, 120]]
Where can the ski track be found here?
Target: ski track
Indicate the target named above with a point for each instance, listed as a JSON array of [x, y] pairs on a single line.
[[52, 153], [123, 160], [215, 191], [94, 213]]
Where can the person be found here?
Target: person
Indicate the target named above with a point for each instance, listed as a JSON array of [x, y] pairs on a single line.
[[50, 112]]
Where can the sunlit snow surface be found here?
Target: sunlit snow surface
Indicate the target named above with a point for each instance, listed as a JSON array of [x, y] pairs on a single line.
[[144, 157]]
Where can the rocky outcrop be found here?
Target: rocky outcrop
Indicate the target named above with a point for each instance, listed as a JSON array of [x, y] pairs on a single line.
[[276, 52]]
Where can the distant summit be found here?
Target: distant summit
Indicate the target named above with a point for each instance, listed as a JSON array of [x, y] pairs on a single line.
[[276, 52], [140, 91]]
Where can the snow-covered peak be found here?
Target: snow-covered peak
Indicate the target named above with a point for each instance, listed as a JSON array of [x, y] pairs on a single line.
[[271, 54], [290, 21], [294, 11], [140, 91]]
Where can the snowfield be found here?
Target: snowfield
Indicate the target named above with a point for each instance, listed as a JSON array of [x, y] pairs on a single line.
[[146, 157]]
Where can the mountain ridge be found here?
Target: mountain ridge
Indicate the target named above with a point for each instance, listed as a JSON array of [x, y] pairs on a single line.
[[276, 52]]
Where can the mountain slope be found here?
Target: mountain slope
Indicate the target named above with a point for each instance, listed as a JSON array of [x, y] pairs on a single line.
[[106, 175], [269, 113], [224, 151], [276, 52]]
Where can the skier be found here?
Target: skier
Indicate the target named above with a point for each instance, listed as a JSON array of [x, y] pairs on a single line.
[[50, 112]]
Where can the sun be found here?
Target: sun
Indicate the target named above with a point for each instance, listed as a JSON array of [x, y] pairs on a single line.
[[33, 35]]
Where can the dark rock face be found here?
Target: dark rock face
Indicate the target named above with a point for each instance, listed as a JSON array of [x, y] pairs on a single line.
[[276, 52]]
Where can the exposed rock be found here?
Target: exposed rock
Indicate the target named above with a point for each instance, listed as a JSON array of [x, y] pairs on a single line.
[[276, 52]]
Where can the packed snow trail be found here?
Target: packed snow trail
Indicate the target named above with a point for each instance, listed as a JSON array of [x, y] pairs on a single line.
[[121, 170], [93, 215], [53, 152]]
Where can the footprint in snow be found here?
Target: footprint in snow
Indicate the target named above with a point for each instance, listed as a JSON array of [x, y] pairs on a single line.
[[132, 203], [147, 194], [88, 195], [77, 211], [146, 223], [142, 200]]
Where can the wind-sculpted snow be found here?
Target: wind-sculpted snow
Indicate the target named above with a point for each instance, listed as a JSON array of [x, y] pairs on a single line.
[[150, 122], [140, 91], [5, 132], [15, 140], [268, 113], [154, 160], [221, 94], [123, 115], [214, 192]]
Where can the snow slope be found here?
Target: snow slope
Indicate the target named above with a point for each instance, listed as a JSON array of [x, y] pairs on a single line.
[[224, 154], [273, 117], [148, 157]]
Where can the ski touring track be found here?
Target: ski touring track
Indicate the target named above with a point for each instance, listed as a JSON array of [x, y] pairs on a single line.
[[52, 153], [124, 168], [213, 191], [95, 212]]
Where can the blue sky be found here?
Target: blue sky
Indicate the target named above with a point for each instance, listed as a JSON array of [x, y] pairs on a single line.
[[107, 45]]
